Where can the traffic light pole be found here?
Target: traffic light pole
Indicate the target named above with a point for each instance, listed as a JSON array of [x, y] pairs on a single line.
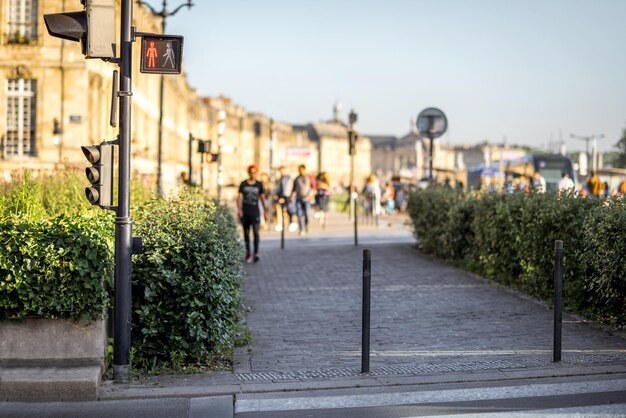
[[123, 221]]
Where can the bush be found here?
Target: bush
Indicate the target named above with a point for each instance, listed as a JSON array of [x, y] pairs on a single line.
[[59, 267], [510, 238], [604, 246], [186, 285]]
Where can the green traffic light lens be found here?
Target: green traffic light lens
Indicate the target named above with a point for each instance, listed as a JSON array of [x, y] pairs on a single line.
[[93, 175]]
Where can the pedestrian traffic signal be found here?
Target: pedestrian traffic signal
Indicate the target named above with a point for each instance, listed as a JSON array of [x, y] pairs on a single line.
[[94, 27], [212, 158], [100, 174], [161, 54]]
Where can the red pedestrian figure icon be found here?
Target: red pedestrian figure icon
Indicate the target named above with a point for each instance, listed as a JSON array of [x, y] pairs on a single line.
[[151, 53]]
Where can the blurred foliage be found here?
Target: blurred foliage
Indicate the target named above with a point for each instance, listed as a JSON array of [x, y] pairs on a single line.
[[510, 239]]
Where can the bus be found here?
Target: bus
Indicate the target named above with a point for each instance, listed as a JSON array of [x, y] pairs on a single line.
[[550, 166]]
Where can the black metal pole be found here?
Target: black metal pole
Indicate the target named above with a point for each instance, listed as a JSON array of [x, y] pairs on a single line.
[[430, 161], [282, 230], [356, 220], [189, 182], [160, 143], [123, 221], [201, 169], [365, 319], [558, 299]]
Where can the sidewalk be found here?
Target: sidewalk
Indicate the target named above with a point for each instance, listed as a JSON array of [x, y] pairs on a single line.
[[430, 323]]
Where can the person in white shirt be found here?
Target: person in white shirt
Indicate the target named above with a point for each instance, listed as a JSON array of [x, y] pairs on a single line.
[[566, 184]]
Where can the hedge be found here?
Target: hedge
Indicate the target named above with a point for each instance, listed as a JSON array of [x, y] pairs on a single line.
[[186, 285], [510, 239], [56, 260], [58, 267]]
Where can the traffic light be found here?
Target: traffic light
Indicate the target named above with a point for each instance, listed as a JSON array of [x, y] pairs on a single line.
[[100, 174], [161, 54], [94, 27], [212, 158]]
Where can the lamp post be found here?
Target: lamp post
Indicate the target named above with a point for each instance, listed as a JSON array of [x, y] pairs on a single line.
[[594, 146], [221, 128], [57, 139], [270, 205], [352, 138], [164, 13]]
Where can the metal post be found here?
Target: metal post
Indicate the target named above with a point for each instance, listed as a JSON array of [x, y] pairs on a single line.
[[430, 161], [558, 299], [365, 318], [270, 206], [190, 171], [282, 230], [201, 169], [123, 221], [160, 141]]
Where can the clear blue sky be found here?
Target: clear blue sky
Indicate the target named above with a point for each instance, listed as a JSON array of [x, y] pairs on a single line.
[[523, 69]]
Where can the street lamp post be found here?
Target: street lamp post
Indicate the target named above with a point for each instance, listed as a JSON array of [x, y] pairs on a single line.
[[221, 127], [270, 205], [594, 146], [57, 139], [164, 13], [352, 137]]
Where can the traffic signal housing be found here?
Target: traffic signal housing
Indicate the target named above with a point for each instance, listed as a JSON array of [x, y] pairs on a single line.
[[94, 27], [212, 157], [100, 174]]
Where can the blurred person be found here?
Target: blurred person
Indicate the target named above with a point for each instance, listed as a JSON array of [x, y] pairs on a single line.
[[387, 199], [539, 183], [371, 192], [322, 195], [522, 185], [508, 185], [606, 190], [621, 189], [302, 193], [267, 192], [250, 195], [594, 185], [282, 199], [566, 184]]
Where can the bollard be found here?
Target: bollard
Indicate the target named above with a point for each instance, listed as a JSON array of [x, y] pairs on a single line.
[[356, 221], [558, 299], [282, 221], [365, 323]]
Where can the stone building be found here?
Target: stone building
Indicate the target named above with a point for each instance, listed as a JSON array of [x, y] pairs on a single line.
[[407, 157], [53, 100]]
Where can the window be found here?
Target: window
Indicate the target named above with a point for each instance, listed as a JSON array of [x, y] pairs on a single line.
[[19, 138], [22, 21]]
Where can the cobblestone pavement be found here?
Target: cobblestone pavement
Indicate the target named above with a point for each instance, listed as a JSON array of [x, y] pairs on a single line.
[[305, 314]]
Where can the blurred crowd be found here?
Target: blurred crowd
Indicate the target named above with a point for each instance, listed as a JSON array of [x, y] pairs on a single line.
[[297, 199]]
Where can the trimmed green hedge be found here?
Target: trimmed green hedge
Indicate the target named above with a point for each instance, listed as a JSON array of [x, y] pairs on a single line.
[[186, 285], [58, 267], [510, 238]]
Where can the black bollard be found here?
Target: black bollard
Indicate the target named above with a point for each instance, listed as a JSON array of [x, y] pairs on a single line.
[[558, 299], [365, 323], [282, 230], [356, 222]]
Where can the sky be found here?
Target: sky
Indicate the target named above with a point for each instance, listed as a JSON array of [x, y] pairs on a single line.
[[528, 72]]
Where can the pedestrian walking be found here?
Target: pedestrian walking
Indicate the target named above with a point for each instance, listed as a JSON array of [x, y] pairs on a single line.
[[594, 185], [281, 199], [302, 193], [566, 184], [371, 192], [250, 195], [322, 196], [539, 183]]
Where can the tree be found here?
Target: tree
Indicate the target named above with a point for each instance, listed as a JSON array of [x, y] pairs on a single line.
[[621, 149]]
